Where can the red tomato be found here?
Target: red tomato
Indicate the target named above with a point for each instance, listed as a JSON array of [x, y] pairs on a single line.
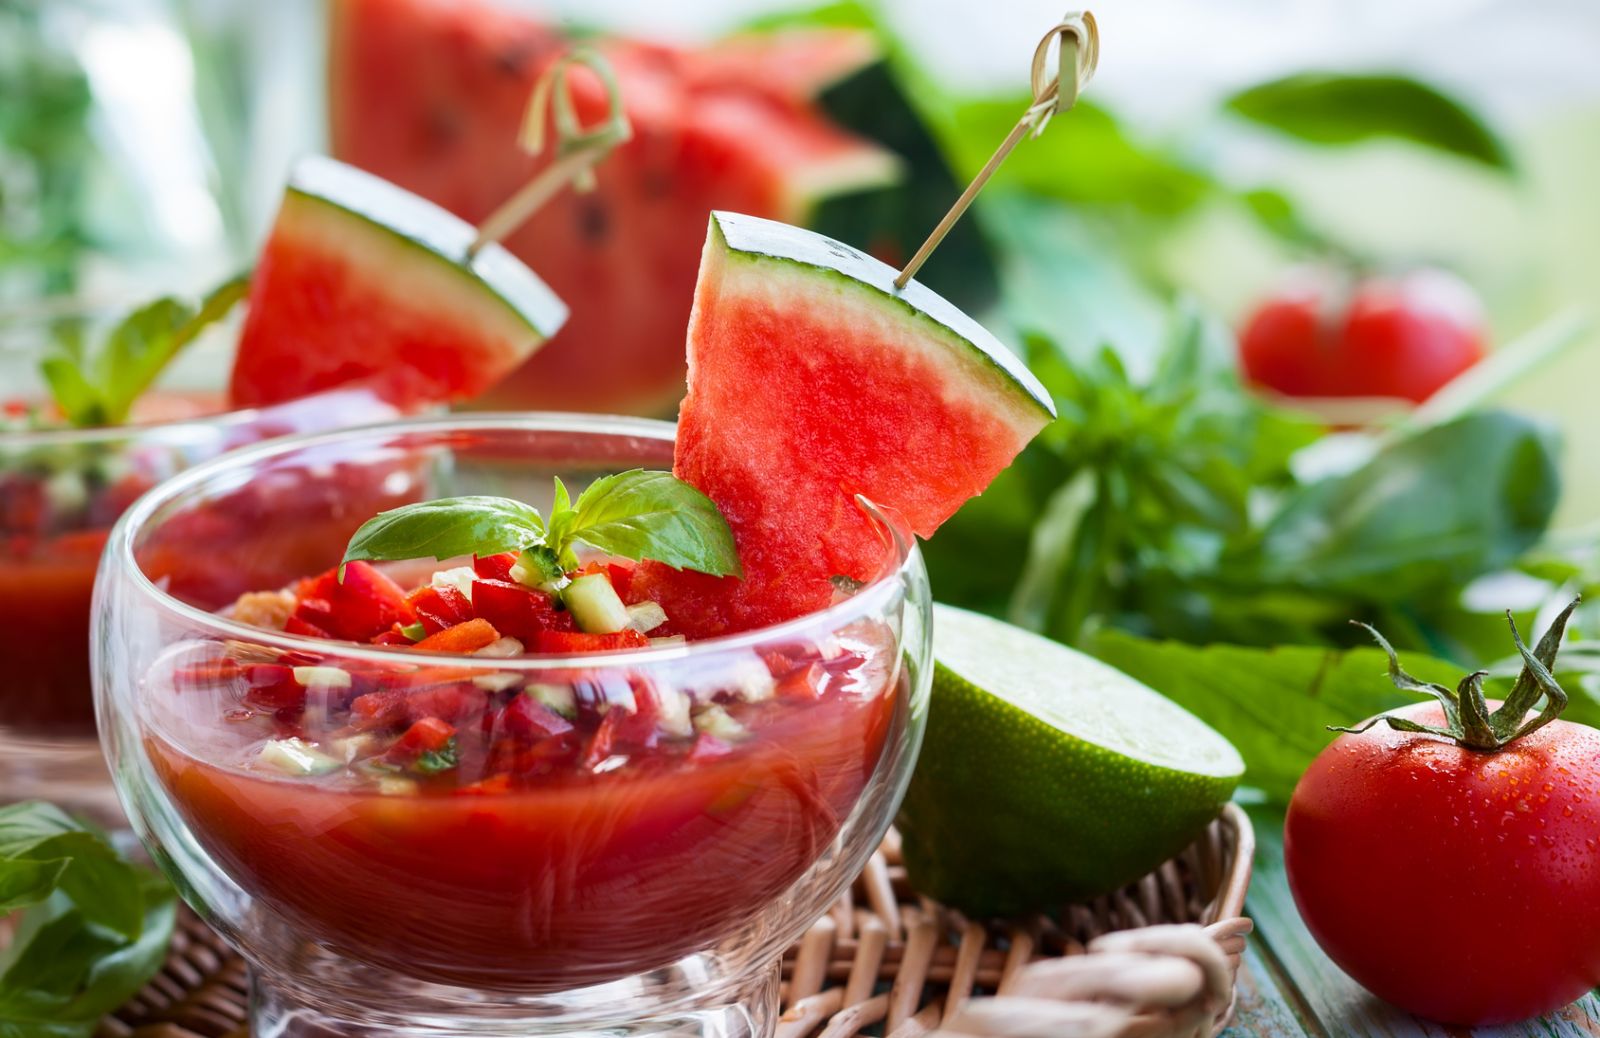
[[1463, 886], [1402, 337]]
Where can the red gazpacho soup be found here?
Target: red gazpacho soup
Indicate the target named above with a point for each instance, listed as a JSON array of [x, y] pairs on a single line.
[[535, 829]]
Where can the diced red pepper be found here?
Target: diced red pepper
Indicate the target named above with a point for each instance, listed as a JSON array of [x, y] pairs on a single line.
[[425, 736], [392, 707], [465, 637], [364, 604], [621, 574], [437, 608], [491, 786], [708, 747], [518, 611], [807, 682], [494, 567], [526, 719], [577, 641], [272, 686]]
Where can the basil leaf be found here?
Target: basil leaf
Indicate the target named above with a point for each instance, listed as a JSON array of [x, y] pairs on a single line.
[[446, 528], [100, 884], [101, 390], [1426, 514], [1327, 108], [24, 882], [92, 931], [643, 514]]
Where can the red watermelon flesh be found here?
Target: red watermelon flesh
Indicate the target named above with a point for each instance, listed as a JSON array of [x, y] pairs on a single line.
[[624, 256], [812, 380], [361, 280]]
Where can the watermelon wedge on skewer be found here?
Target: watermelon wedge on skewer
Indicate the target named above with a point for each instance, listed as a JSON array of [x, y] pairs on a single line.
[[360, 280], [783, 125], [812, 380]]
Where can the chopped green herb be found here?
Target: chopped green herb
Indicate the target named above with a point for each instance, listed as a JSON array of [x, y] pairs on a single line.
[[435, 761]]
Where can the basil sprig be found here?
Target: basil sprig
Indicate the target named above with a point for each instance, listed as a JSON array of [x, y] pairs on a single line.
[[639, 514], [99, 387]]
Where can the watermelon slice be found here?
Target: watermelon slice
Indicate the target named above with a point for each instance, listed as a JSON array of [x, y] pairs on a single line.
[[812, 380], [359, 279], [744, 125]]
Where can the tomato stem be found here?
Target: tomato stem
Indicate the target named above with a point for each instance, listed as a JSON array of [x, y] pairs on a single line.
[[1468, 720]]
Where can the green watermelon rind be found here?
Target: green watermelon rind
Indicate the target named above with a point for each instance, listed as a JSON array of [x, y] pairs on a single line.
[[754, 238], [435, 232]]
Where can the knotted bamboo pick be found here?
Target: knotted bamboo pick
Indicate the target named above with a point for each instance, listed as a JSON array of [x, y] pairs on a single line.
[[1077, 57], [576, 149]]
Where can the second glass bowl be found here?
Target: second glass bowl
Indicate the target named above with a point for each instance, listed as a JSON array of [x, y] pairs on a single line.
[[622, 842]]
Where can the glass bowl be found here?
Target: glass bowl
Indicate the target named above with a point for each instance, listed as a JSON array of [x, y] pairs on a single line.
[[60, 491], [621, 843]]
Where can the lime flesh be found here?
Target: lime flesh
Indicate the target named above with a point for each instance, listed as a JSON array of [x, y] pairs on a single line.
[[1048, 777]]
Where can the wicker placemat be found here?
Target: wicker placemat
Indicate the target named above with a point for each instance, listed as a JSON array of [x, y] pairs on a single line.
[[886, 958]]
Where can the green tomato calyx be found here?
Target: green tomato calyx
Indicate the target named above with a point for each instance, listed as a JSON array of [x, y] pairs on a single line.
[[1468, 721]]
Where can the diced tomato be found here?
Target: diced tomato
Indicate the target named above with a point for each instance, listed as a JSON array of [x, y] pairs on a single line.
[[207, 674], [425, 736], [519, 611], [393, 636], [491, 786], [577, 641], [439, 607], [708, 747], [272, 686], [527, 719], [807, 682], [465, 637], [392, 707], [494, 567]]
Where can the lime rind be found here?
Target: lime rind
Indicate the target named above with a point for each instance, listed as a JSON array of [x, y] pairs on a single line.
[[1078, 695]]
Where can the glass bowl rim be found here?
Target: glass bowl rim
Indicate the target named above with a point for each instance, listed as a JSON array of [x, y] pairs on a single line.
[[119, 553]]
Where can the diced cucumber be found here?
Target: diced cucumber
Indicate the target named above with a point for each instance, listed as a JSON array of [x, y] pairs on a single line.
[[674, 706], [594, 604], [501, 649], [646, 616], [322, 677], [297, 757], [499, 681], [537, 568], [460, 578], [558, 698], [353, 747], [714, 721], [416, 632]]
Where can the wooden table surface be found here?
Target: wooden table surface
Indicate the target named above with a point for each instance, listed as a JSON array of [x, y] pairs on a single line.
[[1289, 989]]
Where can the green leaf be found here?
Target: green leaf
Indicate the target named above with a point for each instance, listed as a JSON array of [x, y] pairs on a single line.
[[1084, 156], [1423, 516], [1274, 705], [643, 514], [1328, 108], [100, 884], [24, 882], [101, 390], [435, 761], [446, 528], [81, 950], [78, 400]]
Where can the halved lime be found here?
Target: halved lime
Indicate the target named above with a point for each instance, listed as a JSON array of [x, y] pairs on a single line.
[[1047, 776]]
